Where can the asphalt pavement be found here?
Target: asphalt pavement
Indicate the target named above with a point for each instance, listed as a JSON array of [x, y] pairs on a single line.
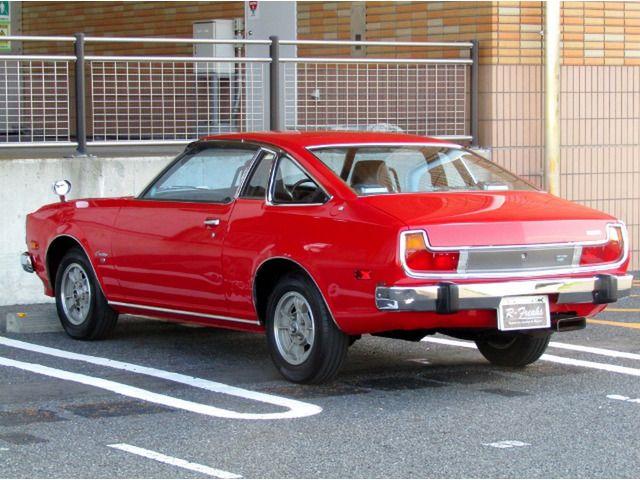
[[161, 400]]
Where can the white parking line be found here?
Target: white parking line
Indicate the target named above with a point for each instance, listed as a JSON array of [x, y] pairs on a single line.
[[295, 408], [549, 358], [135, 392], [595, 350], [623, 398], [507, 444], [176, 462]]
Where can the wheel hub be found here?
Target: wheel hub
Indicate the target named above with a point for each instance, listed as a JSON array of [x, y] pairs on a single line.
[[294, 329], [76, 293]]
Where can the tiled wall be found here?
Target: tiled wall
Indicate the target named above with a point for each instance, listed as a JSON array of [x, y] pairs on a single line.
[[600, 133], [600, 153], [511, 117], [593, 33], [601, 33]]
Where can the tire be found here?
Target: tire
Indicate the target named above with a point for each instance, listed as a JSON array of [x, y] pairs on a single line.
[[513, 350], [298, 318], [82, 308]]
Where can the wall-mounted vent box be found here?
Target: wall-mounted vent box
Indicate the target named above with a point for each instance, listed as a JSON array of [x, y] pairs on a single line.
[[214, 30]]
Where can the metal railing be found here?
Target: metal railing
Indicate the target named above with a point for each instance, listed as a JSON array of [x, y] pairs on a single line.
[[96, 99], [174, 99], [35, 97], [423, 96]]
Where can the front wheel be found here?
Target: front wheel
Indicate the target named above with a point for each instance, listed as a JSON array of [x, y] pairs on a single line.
[[82, 308], [513, 349], [304, 343]]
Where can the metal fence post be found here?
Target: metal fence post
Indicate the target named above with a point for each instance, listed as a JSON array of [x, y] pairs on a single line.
[[275, 121], [473, 109], [81, 121]]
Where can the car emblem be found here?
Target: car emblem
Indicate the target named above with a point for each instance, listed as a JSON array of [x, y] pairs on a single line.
[[523, 257]]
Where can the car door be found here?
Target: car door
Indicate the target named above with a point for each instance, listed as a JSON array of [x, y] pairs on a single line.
[[167, 248], [281, 211]]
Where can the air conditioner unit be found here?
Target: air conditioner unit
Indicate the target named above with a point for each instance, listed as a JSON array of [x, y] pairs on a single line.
[[214, 30]]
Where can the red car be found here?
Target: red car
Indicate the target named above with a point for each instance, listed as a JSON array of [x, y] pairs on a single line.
[[318, 238]]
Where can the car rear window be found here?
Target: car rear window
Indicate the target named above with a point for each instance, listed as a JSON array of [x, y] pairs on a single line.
[[372, 169]]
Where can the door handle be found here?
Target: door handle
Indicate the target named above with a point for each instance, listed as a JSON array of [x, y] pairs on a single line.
[[212, 222]]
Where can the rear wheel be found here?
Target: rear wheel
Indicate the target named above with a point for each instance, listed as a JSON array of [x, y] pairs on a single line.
[[82, 308], [513, 349], [305, 344]]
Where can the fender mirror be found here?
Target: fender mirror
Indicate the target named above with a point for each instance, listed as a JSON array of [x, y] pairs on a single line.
[[62, 189]]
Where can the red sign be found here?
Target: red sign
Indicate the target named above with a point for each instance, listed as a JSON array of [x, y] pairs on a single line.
[[253, 5]]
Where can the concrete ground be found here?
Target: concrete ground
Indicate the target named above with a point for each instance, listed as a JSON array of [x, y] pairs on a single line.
[[398, 409]]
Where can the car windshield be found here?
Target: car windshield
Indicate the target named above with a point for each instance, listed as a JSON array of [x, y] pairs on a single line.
[[374, 170]]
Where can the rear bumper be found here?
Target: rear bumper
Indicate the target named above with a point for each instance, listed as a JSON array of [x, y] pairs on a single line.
[[451, 297]]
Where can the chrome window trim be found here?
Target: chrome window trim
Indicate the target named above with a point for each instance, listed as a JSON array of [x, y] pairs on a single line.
[[212, 144], [311, 148], [507, 274], [276, 164], [254, 163], [184, 312]]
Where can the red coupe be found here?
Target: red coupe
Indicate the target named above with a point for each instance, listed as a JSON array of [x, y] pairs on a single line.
[[318, 238]]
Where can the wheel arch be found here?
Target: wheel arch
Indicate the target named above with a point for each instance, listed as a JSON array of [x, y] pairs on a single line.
[[57, 249], [266, 276]]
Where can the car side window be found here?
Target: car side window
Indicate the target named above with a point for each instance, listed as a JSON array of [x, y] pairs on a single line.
[[292, 185], [208, 175], [258, 182]]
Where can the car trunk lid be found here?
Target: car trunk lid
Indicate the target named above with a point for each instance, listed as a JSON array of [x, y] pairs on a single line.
[[482, 219]]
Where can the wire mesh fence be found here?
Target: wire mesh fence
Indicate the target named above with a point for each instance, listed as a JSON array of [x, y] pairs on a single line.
[[128, 99], [414, 97], [160, 100], [35, 101]]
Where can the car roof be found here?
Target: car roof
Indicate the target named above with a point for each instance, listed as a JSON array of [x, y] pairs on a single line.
[[315, 139]]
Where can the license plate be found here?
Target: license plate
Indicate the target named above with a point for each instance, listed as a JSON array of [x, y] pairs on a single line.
[[524, 313]]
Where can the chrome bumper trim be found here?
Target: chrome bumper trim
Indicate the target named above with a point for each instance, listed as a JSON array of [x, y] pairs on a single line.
[[26, 262], [469, 296]]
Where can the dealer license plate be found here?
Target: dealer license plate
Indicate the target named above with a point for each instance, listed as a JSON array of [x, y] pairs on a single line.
[[524, 313]]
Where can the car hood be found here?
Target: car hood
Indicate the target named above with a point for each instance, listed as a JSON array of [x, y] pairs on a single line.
[[494, 218]]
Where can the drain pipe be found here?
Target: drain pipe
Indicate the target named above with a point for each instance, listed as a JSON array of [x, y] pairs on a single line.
[[552, 96]]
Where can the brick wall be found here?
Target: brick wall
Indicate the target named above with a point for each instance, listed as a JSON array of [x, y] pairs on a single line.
[[594, 33], [601, 33], [166, 19]]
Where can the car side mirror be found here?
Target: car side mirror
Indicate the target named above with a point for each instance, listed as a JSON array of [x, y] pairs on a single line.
[[62, 189]]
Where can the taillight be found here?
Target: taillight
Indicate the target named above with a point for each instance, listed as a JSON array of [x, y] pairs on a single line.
[[609, 252], [418, 257]]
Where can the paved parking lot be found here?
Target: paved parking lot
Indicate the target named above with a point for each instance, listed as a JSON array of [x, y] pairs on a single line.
[[167, 400]]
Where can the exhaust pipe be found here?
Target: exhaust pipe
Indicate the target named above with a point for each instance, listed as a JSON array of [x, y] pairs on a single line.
[[571, 323]]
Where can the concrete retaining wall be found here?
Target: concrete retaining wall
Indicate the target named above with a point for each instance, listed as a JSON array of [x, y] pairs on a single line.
[[25, 185]]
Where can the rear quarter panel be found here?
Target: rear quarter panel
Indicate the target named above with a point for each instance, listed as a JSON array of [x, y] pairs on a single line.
[[329, 241]]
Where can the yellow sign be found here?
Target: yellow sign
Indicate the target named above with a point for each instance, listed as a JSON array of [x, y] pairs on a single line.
[[5, 31]]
